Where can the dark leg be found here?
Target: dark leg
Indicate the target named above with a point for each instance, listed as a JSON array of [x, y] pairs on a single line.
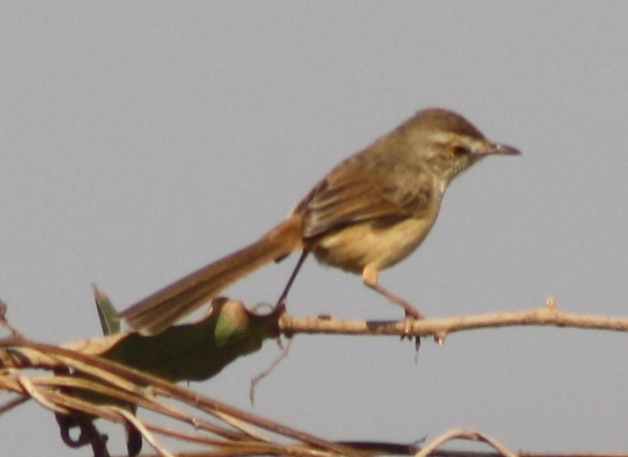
[[284, 294]]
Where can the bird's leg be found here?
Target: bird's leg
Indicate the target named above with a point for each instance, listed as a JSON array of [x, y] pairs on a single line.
[[369, 277], [295, 272]]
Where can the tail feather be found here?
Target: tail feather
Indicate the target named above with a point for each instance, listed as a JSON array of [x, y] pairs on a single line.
[[160, 310]]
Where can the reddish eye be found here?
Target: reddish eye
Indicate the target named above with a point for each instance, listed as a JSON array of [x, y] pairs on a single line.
[[460, 151]]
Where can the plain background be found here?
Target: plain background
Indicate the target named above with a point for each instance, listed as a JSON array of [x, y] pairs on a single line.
[[141, 140]]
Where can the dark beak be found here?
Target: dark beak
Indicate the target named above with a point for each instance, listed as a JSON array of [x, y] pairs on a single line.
[[501, 149]]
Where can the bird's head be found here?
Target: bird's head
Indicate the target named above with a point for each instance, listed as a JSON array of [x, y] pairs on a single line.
[[448, 142]]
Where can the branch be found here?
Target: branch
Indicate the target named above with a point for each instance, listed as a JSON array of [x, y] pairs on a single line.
[[86, 386], [549, 315]]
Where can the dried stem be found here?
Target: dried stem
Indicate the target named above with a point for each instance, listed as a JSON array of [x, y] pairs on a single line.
[[547, 315]]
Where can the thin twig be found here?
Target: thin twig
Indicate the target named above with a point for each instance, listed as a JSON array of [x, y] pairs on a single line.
[[440, 328], [466, 434]]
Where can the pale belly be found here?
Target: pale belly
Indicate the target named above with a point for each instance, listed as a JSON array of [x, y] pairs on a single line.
[[357, 246]]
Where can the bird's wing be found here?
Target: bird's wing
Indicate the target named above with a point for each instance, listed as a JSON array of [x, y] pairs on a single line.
[[377, 192]]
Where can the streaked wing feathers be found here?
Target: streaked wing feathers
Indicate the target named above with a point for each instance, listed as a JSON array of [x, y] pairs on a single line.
[[375, 194]]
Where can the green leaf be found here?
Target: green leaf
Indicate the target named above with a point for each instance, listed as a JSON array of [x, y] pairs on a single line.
[[198, 351], [107, 314]]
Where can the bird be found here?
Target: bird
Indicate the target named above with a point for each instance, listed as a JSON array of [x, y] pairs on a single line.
[[368, 213]]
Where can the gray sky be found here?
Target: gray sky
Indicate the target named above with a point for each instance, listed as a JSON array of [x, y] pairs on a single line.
[[142, 140]]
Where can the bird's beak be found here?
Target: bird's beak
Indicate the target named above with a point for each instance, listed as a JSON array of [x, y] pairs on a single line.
[[501, 149]]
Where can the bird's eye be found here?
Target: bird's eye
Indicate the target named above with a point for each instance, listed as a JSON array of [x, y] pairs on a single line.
[[460, 151]]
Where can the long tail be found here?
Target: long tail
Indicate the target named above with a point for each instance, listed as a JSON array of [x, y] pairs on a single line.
[[160, 310]]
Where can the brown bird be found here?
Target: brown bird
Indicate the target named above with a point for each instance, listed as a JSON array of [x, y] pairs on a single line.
[[371, 211]]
